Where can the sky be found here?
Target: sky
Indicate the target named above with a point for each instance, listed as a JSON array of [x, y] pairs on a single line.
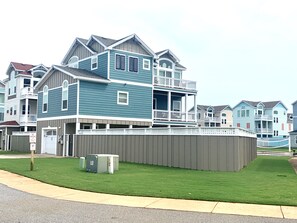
[[234, 50]]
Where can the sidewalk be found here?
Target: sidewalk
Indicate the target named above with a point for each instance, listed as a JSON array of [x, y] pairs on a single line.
[[38, 188]]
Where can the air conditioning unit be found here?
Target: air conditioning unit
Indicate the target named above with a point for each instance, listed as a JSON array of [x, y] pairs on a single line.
[[102, 163]]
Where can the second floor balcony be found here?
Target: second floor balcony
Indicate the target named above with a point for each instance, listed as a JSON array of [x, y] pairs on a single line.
[[28, 119], [263, 117], [28, 92], [264, 130], [174, 83]]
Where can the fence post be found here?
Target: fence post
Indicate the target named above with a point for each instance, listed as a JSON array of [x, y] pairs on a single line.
[[289, 143]]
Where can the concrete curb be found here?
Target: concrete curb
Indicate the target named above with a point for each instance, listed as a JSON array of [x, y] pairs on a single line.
[[38, 188]]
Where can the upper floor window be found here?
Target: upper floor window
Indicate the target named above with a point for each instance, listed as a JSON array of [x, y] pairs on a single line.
[[65, 95], [94, 62], [45, 99], [146, 64], [73, 62], [24, 109], [275, 112], [133, 64], [27, 82], [120, 62], [123, 98]]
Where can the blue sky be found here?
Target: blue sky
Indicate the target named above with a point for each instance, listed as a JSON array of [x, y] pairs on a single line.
[[235, 50]]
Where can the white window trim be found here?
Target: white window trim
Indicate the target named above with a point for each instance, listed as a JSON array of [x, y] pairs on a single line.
[[129, 64], [43, 94], [118, 98], [65, 109], [115, 62], [149, 64], [96, 59], [73, 64]]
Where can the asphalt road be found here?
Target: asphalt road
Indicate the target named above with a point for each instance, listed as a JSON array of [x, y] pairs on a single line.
[[20, 207]]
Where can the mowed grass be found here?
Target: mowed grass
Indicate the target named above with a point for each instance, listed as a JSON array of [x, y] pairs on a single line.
[[267, 180], [2, 152]]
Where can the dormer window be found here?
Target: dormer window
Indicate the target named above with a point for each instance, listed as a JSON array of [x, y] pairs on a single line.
[[94, 63], [73, 62]]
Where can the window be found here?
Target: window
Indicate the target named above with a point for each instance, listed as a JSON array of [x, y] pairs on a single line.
[[176, 106], [14, 90], [133, 64], [10, 111], [8, 91], [247, 112], [275, 112], [94, 63], [73, 62], [238, 113], [155, 103], [123, 98], [248, 125], [224, 121], [27, 82], [146, 64], [24, 109], [45, 99], [120, 62], [275, 119], [14, 110], [65, 95], [242, 113], [238, 125], [275, 133], [283, 126]]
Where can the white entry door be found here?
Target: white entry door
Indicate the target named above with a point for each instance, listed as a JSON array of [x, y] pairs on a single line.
[[50, 141]]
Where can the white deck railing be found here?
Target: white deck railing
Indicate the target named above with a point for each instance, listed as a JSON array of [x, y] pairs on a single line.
[[263, 117], [174, 83], [27, 91], [28, 119], [175, 116], [264, 130], [170, 131]]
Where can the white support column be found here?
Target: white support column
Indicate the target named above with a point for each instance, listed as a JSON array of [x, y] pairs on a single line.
[[195, 108], [169, 105], [26, 114], [130, 126], [93, 125], [107, 126], [186, 107], [77, 127]]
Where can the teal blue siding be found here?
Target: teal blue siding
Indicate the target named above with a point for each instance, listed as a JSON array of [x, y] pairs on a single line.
[[102, 65], [55, 100], [101, 100], [142, 76]]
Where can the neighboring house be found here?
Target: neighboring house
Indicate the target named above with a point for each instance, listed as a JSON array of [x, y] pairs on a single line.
[[214, 116], [20, 101], [2, 97], [289, 122], [106, 83], [266, 119], [293, 133]]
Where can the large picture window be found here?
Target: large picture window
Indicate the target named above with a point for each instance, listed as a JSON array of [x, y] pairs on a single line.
[[65, 95], [120, 62]]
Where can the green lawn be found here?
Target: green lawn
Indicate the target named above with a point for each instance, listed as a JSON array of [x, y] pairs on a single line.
[[267, 180], [281, 149]]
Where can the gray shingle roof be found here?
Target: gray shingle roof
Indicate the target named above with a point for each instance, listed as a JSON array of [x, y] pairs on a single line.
[[81, 73], [106, 41]]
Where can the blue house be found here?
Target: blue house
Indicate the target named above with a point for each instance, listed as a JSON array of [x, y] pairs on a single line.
[[266, 119], [293, 134], [105, 83]]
